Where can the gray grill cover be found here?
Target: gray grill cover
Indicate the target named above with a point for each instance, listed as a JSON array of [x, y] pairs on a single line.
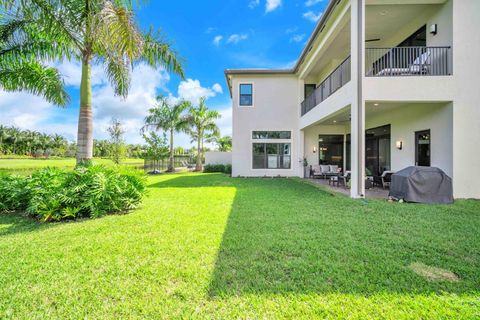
[[422, 184]]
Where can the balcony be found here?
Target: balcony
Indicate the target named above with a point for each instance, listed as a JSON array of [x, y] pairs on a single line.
[[407, 61], [335, 80]]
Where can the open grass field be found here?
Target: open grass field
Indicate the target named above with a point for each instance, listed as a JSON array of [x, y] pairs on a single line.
[[212, 247], [27, 165]]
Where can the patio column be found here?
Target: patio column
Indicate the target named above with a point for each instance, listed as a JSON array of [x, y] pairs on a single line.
[[357, 47]]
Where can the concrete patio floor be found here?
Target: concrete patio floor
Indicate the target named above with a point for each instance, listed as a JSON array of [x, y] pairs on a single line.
[[373, 193]]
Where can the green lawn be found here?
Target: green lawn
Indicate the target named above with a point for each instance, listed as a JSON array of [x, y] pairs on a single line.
[[209, 246], [27, 165]]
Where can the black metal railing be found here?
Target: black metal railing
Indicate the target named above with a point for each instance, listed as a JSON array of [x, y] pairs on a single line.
[[407, 61], [335, 80]]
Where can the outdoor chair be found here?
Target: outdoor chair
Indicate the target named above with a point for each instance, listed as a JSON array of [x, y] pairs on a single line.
[[419, 66], [383, 180]]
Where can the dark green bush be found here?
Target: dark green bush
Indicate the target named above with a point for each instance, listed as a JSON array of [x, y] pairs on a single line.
[[224, 168], [52, 194]]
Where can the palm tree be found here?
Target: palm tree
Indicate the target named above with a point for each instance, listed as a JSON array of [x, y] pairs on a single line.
[[202, 123], [22, 46], [224, 143], [168, 117], [103, 31]]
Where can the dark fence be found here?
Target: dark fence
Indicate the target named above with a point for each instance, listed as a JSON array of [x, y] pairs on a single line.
[[408, 61], [159, 165], [337, 79]]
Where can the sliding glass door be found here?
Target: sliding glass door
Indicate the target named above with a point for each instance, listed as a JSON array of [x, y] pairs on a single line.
[[330, 149]]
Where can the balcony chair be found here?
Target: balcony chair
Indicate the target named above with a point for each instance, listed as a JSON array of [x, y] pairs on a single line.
[[420, 65]]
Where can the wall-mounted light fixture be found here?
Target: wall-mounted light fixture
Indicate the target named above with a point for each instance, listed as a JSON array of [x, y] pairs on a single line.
[[399, 145], [314, 149], [433, 29]]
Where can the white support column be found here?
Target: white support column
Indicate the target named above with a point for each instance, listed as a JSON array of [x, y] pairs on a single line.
[[357, 47], [301, 153]]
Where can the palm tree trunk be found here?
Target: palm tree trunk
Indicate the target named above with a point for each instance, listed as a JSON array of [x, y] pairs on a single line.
[[171, 167], [85, 118], [198, 166]]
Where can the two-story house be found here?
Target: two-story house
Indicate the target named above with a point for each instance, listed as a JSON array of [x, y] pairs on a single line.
[[380, 85]]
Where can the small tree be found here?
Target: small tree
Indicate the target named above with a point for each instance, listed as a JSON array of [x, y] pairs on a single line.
[[117, 144]]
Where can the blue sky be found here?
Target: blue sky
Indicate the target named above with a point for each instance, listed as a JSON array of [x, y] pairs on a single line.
[[209, 35]]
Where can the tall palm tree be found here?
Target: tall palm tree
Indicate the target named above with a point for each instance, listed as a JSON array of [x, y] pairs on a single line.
[[170, 118], [202, 123], [102, 31], [22, 47]]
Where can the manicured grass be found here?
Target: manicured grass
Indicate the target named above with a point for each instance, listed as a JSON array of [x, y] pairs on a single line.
[[27, 165], [209, 246]]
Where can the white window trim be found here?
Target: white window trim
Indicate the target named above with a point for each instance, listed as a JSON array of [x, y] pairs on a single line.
[[252, 141], [253, 94]]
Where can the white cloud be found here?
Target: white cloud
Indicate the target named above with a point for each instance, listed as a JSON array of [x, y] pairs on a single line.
[[191, 90], [272, 5], [217, 88], [310, 15], [236, 38], [297, 37], [72, 73], [217, 39], [253, 4], [310, 3], [291, 30], [210, 29]]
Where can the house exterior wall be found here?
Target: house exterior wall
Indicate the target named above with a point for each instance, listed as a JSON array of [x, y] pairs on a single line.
[[447, 105], [408, 119], [276, 107]]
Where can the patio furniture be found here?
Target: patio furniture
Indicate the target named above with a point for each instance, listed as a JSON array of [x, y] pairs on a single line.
[[344, 179], [383, 180], [334, 181], [187, 165], [419, 66], [324, 171]]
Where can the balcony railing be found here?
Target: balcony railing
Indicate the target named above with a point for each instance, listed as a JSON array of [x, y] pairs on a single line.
[[407, 61], [337, 79]]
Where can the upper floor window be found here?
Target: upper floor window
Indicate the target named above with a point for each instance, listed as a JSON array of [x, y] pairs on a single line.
[[271, 135], [246, 94]]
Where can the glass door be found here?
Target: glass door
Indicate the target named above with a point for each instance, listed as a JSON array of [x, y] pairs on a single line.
[[422, 148]]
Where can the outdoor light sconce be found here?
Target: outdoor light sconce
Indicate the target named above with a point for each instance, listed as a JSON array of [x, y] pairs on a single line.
[[399, 145], [433, 29], [314, 149]]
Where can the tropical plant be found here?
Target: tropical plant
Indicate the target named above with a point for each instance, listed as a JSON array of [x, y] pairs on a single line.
[[202, 123], [52, 194], [23, 46], [103, 31], [224, 143], [170, 118], [116, 132]]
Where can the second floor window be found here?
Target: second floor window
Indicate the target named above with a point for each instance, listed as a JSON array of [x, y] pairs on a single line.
[[246, 94]]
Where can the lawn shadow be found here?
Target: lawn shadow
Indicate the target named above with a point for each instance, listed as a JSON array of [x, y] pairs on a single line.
[[12, 223], [287, 237]]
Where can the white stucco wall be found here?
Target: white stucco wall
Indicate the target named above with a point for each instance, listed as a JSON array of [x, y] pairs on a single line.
[[404, 121], [218, 157], [276, 107], [466, 108]]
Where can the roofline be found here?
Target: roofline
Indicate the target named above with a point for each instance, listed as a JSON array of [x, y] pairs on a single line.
[[318, 28]]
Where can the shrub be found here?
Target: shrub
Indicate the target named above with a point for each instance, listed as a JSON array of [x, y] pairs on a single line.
[[52, 194], [224, 168]]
